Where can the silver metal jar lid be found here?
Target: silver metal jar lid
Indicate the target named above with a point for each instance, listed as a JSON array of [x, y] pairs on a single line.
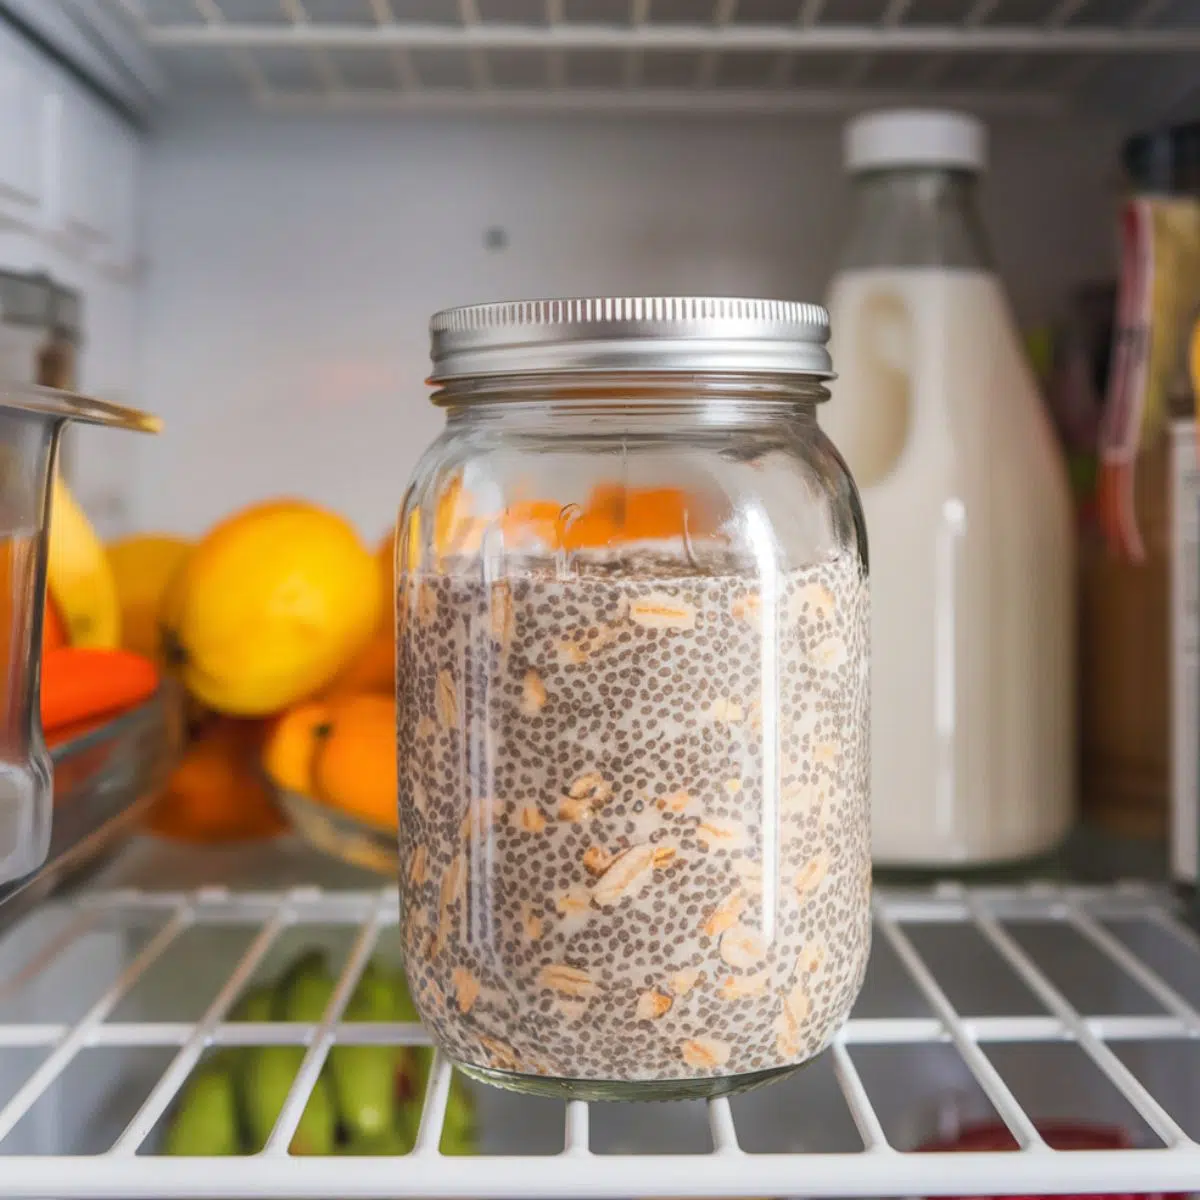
[[683, 334]]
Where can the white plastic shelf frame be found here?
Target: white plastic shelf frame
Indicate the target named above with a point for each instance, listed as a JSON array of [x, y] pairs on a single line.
[[1019, 1006], [1135, 58]]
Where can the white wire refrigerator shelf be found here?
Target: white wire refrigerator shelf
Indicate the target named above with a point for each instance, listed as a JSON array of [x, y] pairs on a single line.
[[1020, 1006], [1136, 59]]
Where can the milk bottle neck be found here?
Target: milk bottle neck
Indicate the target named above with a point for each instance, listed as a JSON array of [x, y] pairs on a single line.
[[916, 217]]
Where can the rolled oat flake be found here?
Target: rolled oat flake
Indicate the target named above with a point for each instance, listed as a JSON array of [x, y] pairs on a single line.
[[632, 680]]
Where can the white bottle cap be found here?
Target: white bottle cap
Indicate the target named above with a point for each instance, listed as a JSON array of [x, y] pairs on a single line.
[[915, 137]]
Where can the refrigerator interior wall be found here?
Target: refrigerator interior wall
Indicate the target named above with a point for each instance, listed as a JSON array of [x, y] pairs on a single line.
[[69, 198], [263, 280], [294, 260]]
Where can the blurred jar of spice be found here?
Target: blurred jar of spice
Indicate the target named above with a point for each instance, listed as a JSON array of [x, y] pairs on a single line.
[[1124, 661], [1125, 646]]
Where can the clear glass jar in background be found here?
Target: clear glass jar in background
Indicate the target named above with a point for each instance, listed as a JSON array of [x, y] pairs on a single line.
[[632, 699], [26, 325], [964, 487], [32, 420]]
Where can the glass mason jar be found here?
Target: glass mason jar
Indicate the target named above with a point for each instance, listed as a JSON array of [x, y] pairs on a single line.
[[632, 684]]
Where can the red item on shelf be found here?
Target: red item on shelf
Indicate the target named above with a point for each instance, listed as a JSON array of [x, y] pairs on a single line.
[[1058, 1135], [81, 685]]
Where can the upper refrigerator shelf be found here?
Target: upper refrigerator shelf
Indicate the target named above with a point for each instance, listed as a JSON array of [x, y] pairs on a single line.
[[1136, 59]]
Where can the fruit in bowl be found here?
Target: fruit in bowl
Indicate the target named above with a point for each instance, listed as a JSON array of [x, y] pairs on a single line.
[[269, 607], [334, 762], [217, 793]]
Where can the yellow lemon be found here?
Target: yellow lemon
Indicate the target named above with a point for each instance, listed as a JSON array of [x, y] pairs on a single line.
[[144, 565], [270, 605], [374, 670]]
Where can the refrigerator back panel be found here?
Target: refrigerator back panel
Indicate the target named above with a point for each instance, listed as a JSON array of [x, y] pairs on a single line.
[[284, 317]]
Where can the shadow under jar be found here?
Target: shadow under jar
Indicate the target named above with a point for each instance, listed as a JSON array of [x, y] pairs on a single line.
[[633, 699]]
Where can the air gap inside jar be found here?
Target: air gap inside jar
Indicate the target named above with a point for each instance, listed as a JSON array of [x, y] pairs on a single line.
[[632, 699]]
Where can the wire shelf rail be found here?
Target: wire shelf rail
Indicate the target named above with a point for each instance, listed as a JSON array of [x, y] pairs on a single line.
[[1170, 1161]]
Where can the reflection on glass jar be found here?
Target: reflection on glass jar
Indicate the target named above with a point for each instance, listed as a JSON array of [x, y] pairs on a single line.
[[633, 699]]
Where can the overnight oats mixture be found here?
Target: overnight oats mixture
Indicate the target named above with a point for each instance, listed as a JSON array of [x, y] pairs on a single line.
[[634, 817]]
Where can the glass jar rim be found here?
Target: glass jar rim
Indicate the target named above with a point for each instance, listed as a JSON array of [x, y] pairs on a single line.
[[639, 334]]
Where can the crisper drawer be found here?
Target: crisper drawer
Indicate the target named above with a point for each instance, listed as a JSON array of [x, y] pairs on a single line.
[[1021, 1008]]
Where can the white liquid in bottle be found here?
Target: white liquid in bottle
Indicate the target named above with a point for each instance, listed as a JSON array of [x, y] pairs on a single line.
[[969, 524]]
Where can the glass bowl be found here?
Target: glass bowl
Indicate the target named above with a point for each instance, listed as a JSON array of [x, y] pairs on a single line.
[[107, 775], [31, 423], [338, 833]]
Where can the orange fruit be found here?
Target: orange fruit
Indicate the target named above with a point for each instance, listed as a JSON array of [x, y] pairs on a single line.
[[532, 520], [54, 628], [217, 793], [374, 670], [355, 765], [452, 516], [455, 527], [291, 746], [615, 514]]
